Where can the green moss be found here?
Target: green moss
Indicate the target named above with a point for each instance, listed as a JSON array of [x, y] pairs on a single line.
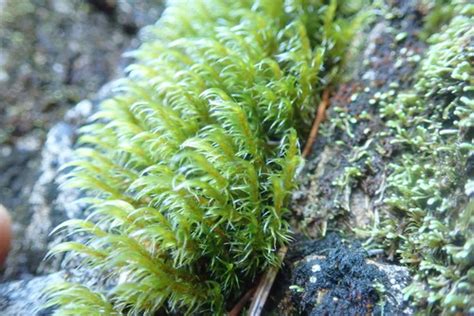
[[189, 168], [440, 13], [428, 219]]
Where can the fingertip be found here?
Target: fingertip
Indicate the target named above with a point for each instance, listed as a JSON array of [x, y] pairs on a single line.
[[5, 234]]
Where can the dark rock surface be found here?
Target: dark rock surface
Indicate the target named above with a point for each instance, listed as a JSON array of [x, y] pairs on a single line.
[[131, 15], [333, 196]]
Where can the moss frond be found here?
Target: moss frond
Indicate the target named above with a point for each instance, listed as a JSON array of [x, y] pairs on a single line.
[[86, 301], [192, 163]]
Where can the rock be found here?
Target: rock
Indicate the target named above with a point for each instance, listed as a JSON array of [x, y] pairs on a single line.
[[25, 297], [131, 15], [18, 171], [47, 205], [399, 277], [51, 206], [138, 13], [54, 54]]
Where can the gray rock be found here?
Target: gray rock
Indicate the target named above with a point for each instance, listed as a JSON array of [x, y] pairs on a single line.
[[51, 203], [54, 54], [399, 277], [48, 205], [20, 298], [138, 13], [131, 15]]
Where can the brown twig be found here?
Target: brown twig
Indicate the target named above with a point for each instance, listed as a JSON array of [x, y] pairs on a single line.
[[260, 292], [265, 285], [241, 303], [320, 116]]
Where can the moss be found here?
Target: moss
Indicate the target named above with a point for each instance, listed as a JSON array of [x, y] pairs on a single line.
[[439, 13], [428, 219], [189, 168], [421, 136]]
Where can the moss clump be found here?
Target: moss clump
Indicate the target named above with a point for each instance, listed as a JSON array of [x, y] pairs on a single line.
[[189, 167], [438, 13], [428, 220]]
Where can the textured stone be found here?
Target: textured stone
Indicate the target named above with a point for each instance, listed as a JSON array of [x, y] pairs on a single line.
[[21, 298], [54, 54]]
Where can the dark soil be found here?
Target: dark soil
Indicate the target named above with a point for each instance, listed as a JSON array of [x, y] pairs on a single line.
[[335, 276], [341, 282]]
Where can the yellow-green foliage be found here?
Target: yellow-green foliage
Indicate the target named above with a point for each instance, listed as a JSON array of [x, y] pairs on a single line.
[[430, 212], [190, 166]]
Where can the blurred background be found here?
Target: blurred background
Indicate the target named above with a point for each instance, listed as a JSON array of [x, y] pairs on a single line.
[[53, 54]]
